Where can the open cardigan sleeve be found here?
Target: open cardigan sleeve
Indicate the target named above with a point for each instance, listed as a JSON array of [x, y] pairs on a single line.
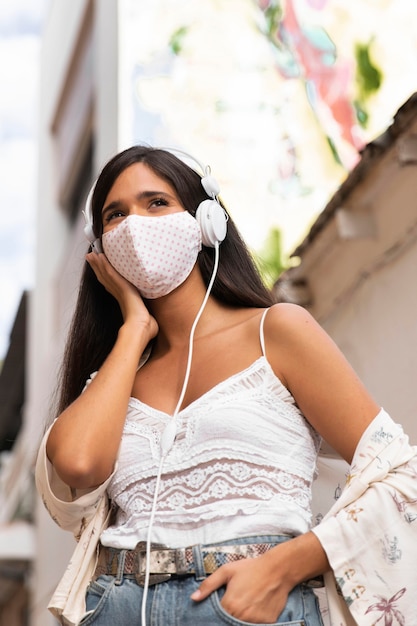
[[84, 513], [71, 510], [370, 534]]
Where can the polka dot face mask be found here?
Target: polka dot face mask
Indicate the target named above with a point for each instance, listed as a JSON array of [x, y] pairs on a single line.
[[156, 254]]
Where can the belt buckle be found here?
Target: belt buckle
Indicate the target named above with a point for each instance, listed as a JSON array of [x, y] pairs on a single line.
[[140, 576]]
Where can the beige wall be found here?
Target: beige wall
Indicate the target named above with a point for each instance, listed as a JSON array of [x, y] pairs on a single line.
[[364, 289], [377, 331]]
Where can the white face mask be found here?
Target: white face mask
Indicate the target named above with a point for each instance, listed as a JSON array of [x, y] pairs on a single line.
[[156, 254]]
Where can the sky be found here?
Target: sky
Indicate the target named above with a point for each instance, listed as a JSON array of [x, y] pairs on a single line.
[[21, 23]]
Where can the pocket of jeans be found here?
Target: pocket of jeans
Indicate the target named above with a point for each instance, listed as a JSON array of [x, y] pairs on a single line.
[[229, 619], [97, 594]]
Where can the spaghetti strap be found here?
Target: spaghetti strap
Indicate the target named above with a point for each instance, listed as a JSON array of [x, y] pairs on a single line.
[[261, 332]]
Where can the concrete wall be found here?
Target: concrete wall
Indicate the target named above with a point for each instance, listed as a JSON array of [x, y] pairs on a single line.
[[363, 289]]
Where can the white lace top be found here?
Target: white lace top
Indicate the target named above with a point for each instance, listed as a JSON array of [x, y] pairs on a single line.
[[242, 464]]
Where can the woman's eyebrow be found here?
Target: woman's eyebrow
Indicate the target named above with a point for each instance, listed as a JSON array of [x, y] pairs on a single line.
[[143, 195], [116, 204]]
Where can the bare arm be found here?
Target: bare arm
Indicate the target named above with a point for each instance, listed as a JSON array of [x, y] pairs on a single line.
[[84, 442], [323, 383]]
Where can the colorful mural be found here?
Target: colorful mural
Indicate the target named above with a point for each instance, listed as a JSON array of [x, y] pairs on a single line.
[[278, 96], [307, 53]]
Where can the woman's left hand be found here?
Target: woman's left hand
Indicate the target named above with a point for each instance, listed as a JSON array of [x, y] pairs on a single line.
[[257, 589], [253, 594]]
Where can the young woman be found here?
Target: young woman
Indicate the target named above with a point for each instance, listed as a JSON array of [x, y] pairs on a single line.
[[184, 466]]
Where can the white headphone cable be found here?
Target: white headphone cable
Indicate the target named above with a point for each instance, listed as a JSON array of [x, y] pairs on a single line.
[[169, 433]]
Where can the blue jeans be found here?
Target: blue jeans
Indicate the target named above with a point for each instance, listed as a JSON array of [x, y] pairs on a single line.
[[117, 602]]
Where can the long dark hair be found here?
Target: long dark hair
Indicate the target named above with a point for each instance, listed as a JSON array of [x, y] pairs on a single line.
[[97, 317]]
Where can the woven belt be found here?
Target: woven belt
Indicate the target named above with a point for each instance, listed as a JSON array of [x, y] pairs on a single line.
[[168, 562]]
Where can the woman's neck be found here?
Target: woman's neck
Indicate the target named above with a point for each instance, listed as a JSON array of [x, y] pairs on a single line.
[[176, 312]]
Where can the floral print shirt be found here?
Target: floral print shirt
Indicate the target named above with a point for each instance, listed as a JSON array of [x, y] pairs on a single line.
[[370, 533]]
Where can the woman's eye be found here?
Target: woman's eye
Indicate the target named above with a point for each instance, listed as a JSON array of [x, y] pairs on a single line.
[[159, 202], [113, 215]]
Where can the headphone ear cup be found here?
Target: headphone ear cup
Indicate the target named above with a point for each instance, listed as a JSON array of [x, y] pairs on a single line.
[[213, 222], [89, 233], [94, 241]]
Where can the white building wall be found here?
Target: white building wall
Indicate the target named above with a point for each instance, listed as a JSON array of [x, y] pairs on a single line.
[[377, 331], [61, 248], [363, 288]]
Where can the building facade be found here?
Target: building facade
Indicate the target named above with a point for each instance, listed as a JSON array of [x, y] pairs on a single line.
[[77, 133]]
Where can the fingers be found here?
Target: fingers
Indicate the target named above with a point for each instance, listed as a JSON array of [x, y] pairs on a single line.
[[210, 584], [251, 594], [125, 293], [100, 265], [106, 274]]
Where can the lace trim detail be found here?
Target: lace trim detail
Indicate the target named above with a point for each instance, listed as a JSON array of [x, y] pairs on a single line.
[[212, 484]]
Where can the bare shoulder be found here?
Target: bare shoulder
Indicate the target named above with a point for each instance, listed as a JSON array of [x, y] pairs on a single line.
[[287, 323], [286, 313], [296, 339]]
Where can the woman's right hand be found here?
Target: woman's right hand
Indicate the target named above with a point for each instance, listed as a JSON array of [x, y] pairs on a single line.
[[126, 294]]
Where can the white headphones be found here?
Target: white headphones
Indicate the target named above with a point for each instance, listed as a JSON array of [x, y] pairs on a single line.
[[88, 228], [210, 215]]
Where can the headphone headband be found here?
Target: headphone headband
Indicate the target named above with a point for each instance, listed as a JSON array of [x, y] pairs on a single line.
[[209, 183]]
